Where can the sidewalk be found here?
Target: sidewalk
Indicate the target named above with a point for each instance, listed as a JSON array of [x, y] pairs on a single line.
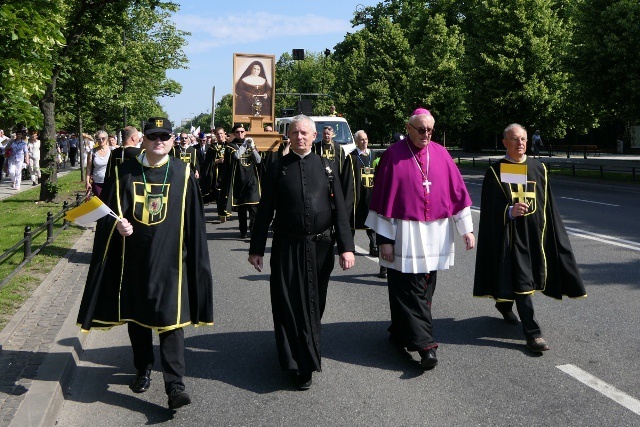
[[39, 347], [7, 191]]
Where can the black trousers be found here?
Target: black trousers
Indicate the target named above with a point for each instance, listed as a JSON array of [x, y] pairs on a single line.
[[524, 304], [73, 153], [242, 217], [410, 298], [171, 353]]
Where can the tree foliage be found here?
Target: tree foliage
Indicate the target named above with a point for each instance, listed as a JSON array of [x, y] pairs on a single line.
[[29, 33], [606, 63]]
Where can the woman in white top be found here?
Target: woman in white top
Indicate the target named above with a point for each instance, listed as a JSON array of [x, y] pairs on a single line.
[[34, 158], [97, 164]]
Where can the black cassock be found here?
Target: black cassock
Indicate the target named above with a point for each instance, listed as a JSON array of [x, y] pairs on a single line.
[[357, 186], [160, 276], [524, 254], [297, 192]]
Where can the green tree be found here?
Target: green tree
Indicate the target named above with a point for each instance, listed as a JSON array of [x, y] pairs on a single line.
[[516, 51], [224, 117], [605, 61], [29, 32], [312, 75], [84, 21], [372, 78]]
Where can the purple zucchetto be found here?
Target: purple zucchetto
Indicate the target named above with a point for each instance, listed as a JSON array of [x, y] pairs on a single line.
[[420, 111]]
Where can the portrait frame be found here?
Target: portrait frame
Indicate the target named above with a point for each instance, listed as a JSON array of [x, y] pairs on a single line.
[[243, 108]]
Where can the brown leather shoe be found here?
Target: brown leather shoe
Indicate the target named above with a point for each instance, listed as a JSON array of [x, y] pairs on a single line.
[[537, 345]]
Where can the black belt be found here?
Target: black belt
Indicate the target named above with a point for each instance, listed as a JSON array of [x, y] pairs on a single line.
[[312, 237]]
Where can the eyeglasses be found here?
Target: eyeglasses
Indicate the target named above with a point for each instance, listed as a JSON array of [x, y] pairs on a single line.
[[421, 131], [240, 131], [162, 136], [104, 138]]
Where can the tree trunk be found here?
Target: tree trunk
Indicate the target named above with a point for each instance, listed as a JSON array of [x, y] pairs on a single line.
[[48, 164]]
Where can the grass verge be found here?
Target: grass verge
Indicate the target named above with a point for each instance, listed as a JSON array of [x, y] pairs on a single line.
[[19, 211]]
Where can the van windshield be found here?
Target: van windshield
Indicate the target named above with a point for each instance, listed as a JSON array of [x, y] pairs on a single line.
[[342, 133]]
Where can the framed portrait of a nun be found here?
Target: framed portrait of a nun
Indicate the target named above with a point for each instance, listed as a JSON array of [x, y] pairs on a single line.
[[253, 87]]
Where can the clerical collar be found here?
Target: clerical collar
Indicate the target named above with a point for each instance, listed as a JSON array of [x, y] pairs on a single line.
[[509, 158], [142, 158], [302, 156]]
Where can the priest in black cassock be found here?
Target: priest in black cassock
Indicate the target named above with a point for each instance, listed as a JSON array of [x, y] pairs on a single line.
[[523, 246], [301, 189], [150, 269]]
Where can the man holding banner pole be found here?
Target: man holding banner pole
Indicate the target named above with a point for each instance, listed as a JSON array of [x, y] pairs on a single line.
[[523, 246]]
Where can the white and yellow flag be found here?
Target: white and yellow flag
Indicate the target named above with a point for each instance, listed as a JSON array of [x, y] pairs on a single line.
[[88, 212], [511, 173]]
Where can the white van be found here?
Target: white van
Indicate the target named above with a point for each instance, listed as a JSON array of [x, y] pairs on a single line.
[[342, 132]]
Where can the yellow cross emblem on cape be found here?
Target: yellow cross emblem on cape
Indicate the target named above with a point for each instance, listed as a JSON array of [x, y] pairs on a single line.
[[524, 194], [159, 123], [150, 204]]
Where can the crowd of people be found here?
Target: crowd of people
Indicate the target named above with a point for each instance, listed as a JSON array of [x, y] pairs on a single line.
[[151, 270]]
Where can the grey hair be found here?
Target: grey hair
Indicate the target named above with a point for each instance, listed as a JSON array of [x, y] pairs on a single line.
[[101, 132], [302, 118], [511, 127], [359, 134]]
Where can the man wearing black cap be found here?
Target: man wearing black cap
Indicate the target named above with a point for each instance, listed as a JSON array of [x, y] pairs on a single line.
[[154, 272], [187, 153]]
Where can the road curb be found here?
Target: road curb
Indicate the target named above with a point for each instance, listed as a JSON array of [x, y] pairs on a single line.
[[45, 397]]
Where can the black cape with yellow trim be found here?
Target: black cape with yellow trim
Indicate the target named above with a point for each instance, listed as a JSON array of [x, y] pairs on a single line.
[[356, 179], [244, 178], [526, 254], [160, 276]]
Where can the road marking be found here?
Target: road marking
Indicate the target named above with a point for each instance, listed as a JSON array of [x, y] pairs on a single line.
[[627, 244], [600, 386], [589, 201]]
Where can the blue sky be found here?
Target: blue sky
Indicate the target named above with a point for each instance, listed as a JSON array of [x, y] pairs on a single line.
[[221, 28]]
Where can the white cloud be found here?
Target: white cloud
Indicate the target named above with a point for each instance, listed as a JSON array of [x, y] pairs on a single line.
[[208, 33]]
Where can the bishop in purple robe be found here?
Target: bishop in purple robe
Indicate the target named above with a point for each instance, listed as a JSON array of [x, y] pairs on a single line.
[[418, 198]]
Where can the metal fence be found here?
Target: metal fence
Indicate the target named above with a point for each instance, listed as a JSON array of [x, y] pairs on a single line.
[[29, 235], [602, 171]]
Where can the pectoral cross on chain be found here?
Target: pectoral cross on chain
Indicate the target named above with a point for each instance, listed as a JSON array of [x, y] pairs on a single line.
[[427, 184]]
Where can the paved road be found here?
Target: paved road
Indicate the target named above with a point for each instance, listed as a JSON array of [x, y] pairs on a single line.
[[485, 375]]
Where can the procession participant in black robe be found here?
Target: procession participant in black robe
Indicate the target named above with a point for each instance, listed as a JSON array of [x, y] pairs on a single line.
[[151, 268], [212, 178], [523, 246], [328, 148], [309, 218], [243, 194], [187, 153], [357, 186], [129, 150]]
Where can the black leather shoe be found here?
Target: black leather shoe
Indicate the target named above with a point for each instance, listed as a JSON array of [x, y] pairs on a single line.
[[178, 398], [373, 251], [537, 345], [142, 381], [383, 273], [428, 358], [303, 381], [243, 235]]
